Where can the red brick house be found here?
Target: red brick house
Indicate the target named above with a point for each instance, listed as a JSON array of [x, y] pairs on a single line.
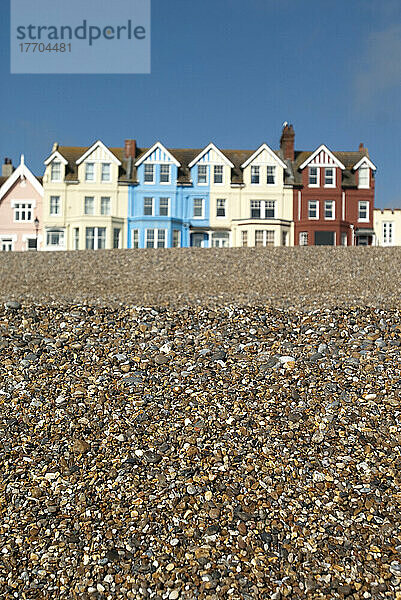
[[334, 194]]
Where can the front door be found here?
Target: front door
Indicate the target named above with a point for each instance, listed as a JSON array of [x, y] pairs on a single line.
[[362, 240], [197, 240]]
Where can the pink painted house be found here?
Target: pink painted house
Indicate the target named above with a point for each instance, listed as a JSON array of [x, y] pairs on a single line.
[[21, 208]]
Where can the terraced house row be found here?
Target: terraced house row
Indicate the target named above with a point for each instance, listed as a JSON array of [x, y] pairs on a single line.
[[131, 197]]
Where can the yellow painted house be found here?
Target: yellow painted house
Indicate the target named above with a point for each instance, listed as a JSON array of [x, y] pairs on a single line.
[[85, 203], [250, 203]]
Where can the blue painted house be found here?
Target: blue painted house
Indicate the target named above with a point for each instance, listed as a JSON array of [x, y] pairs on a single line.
[[169, 204]]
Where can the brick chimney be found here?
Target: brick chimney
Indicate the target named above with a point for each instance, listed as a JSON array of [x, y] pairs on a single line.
[[287, 141], [130, 148], [7, 168]]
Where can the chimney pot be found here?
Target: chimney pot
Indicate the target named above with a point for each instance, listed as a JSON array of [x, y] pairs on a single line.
[[361, 147]]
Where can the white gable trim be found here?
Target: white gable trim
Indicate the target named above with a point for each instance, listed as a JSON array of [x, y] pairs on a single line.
[[21, 172], [269, 151], [316, 152], [211, 146], [56, 154], [157, 145], [98, 144], [366, 161]]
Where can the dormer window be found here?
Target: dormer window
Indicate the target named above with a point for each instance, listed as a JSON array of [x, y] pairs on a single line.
[[202, 174], [106, 173], [218, 173], [363, 176], [271, 175], [149, 174], [89, 171], [329, 177], [164, 173], [255, 174], [55, 172], [313, 177]]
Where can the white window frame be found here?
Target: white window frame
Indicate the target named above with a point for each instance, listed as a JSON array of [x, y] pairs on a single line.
[[257, 203], [23, 206], [202, 216], [105, 214], [168, 206], [316, 202], [7, 240], [89, 214], [86, 172], [364, 186], [317, 184], [333, 183], [52, 165], [155, 237], [178, 245], [104, 164], [244, 238], [333, 210], [303, 238], [135, 238], [388, 233], [220, 235], [96, 238], [273, 172], [169, 173], [58, 230], [29, 238], [75, 237], [152, 166], [153, 206], [223, 208], [267, 206], [114, 238], [222, 174], [206, 175], [58, 213], [264, 206], [264, 238], [366, 219], [255, 171]]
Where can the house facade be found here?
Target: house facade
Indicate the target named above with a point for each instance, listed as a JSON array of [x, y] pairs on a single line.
[[169, 202], [262, 209], [333, 198], [97, 197], [85, 198], [21, 208], [387, 226]]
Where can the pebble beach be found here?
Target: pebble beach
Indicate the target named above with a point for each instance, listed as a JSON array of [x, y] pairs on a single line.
[[201, 424]]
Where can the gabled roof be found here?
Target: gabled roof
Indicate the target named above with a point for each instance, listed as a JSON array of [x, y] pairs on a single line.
[[327, 152], [156, 146], [98, 144], [71, 154], [211, 146], [364, 160], [348, 159], [56, 154], [21, 172], [269, 151]]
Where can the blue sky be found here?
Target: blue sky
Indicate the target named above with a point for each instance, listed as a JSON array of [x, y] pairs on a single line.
[[231, 72]]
